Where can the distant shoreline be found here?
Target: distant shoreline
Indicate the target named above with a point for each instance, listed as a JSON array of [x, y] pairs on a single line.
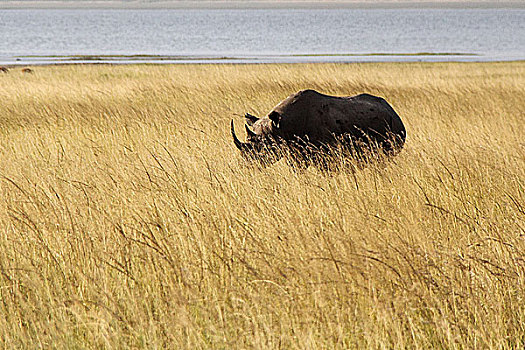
[[421, 57], [269, 4]]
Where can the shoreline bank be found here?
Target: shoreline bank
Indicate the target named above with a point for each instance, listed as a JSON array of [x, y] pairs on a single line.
[[260, 59]]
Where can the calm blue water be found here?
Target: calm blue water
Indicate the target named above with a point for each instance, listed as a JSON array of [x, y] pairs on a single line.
[[262, 35]]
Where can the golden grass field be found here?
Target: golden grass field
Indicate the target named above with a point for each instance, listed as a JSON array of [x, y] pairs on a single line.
[[129, 220]]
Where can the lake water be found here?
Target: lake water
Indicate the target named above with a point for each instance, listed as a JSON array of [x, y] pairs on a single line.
[[261, 35]]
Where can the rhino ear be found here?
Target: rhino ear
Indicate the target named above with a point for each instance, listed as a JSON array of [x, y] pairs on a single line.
[[275, 117], [250, 119]]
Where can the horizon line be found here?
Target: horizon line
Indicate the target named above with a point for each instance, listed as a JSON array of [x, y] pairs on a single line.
[[264, 4]]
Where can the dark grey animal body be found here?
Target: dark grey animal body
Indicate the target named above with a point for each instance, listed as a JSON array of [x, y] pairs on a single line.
[[309, 120]]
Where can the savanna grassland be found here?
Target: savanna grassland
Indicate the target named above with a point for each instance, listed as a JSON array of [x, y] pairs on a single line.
[[129, 220]]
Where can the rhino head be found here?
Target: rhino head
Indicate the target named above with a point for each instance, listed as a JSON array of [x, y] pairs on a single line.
[[262, 143]]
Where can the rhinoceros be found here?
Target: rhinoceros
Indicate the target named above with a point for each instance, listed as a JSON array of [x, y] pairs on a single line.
[[311, 124]]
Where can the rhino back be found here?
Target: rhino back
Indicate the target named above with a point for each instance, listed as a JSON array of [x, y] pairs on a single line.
[[319, 117]]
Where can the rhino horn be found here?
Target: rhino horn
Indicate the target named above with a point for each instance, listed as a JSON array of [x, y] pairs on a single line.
[[250, 133], [236, 141]]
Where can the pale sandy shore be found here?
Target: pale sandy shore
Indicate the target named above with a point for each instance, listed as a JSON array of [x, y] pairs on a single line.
[[237, 4]]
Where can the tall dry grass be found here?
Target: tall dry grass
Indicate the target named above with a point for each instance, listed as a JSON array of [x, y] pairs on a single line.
[[129, 220]]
